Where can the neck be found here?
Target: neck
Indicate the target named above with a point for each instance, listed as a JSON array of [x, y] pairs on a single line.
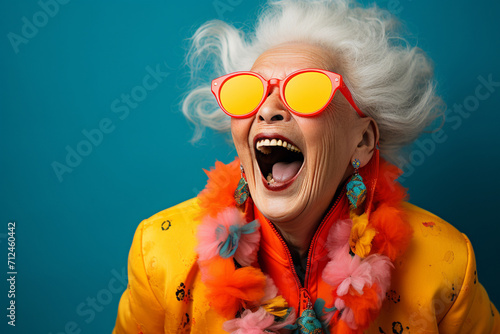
[[298, 236], [299, 232]]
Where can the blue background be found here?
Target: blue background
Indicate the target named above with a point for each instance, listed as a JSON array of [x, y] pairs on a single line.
[[73, 235]]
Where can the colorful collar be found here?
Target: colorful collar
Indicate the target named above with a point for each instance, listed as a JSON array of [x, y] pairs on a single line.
[[361, 250]]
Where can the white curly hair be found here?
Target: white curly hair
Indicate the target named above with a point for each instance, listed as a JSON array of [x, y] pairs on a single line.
[[390, 80]]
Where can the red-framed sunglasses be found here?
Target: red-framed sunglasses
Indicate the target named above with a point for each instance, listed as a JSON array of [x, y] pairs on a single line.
[[305, 92]]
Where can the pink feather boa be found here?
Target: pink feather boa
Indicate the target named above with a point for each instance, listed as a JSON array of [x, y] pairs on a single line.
[[346, 272], [213, 232]]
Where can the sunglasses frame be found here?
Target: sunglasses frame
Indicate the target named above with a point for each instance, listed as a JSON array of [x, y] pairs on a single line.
[[336, 79]]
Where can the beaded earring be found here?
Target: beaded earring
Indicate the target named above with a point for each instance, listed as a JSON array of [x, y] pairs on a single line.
[[241, 193], [356, 189]]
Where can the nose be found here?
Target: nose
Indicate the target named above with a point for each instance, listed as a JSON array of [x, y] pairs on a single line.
[[273, 109]]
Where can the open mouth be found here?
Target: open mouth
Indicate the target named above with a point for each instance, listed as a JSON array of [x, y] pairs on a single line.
[[279, 161]]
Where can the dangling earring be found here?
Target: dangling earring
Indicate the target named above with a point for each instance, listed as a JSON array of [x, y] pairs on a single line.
[[356, 189], [241, 193]]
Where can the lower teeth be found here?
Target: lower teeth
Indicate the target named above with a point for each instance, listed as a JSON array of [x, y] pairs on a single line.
[[269, 178]]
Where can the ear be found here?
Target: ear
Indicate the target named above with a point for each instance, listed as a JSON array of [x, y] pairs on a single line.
[[368, 142]]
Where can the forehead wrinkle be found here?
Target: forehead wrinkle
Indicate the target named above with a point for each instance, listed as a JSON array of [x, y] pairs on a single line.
[[289, 58]]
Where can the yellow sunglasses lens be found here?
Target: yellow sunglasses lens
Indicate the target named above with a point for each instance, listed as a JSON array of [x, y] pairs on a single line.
[[241, 94], [308, 92]]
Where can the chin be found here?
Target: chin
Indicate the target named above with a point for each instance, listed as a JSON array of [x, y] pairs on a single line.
[[278, 209]]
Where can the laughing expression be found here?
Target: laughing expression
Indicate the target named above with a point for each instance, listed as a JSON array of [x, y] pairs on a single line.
[[294, 165]]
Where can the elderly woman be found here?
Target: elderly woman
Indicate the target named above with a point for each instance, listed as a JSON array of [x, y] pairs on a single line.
[[307, 231]]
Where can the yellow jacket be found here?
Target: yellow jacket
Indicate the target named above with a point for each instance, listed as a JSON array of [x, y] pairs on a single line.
[[434, 286]]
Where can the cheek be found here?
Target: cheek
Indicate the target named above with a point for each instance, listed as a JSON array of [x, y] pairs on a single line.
[[335, 137], [323, 135], [328, 142], [240, 129]]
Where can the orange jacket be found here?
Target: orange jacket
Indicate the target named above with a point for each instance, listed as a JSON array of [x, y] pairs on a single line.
[[434, 286]]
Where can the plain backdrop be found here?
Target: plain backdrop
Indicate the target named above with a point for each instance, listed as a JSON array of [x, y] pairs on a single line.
[[63, 75]]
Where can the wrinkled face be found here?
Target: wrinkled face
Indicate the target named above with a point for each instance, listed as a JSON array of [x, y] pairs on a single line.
[[296, 182]]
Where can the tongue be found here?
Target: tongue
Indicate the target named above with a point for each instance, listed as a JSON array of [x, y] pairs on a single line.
[[284, 171]]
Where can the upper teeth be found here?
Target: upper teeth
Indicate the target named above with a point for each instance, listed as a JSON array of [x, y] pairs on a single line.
[[262, 145]]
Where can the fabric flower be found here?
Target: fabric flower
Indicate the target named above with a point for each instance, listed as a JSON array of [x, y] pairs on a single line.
[[270, 290], [338, 237], [359, 285], [381, 267], [228, 288], [361, 309], [289, 320], [348, 271], [271, 302], [394, 233], [250, 322], [277, 306], [228, 235], [360, 239], [219, 191], [389, 190], [258, 322], [347, 314]]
